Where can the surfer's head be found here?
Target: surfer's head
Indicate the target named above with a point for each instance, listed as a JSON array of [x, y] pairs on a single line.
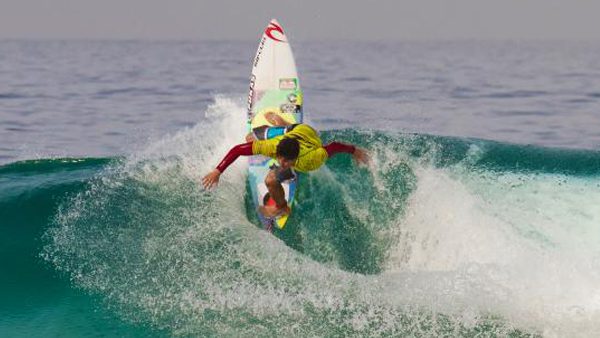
[[287, 152]]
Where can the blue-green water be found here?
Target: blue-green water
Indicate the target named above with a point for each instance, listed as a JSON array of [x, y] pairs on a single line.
[[443, 236], [36, 300]]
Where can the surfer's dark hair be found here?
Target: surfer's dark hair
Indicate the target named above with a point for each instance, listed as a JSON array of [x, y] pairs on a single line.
[[288, 148]]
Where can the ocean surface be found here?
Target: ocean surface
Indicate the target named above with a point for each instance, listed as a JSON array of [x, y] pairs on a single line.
[[479, 217]]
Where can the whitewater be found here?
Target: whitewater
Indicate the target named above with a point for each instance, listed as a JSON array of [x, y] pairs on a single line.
[[434, 239]]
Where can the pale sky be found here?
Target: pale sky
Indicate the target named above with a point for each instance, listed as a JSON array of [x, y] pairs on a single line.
[[302, 19]]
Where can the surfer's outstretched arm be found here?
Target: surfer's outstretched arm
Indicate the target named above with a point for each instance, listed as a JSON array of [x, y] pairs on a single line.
[[212, 179], [358, 154]]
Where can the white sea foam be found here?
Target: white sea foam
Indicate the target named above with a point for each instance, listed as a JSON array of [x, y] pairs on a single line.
[[520, 245]]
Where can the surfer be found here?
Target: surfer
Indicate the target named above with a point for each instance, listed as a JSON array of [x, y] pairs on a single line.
[[294, 146]]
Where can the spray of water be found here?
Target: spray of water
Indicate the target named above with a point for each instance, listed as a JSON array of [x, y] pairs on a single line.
[[446, 250]]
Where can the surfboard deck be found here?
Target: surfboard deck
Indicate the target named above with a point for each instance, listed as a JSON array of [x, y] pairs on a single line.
[[274, 87]]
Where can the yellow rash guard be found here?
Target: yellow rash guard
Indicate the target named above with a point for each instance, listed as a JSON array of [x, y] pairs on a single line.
[[312, 154]]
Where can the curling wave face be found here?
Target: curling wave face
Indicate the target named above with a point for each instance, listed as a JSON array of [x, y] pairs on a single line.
[[442, 236]]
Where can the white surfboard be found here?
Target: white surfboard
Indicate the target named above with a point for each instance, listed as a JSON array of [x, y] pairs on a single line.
[[274, 87]]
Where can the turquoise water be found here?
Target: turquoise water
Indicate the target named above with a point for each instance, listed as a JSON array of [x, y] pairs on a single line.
[[36, 300], [443, 236]]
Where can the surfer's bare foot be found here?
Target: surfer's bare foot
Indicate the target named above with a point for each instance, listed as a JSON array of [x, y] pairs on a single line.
[[275, 119], [250, 137], [270, 211]]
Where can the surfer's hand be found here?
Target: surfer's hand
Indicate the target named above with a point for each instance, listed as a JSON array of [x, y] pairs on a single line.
[[212, 179], [361, 156]]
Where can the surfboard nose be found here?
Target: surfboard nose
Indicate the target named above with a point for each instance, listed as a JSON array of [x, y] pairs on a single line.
[[274, 23], [275, 31]]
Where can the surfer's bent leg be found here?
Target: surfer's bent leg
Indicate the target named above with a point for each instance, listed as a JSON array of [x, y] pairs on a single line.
[[276, 120], [275, 189], [267, 132]]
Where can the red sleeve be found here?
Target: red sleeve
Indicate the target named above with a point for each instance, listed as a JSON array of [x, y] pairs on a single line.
[[338, 147], [241, 149]]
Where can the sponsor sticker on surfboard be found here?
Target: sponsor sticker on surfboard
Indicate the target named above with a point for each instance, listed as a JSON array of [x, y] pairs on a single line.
[[287, 84]]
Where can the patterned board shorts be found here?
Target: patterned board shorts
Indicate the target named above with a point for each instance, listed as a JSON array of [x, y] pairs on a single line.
[[283, 174]]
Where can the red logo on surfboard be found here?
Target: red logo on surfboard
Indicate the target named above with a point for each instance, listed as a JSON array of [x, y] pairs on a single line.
[[274, 27]]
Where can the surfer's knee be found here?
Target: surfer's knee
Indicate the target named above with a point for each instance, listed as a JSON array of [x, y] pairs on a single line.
[[271, 179]]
